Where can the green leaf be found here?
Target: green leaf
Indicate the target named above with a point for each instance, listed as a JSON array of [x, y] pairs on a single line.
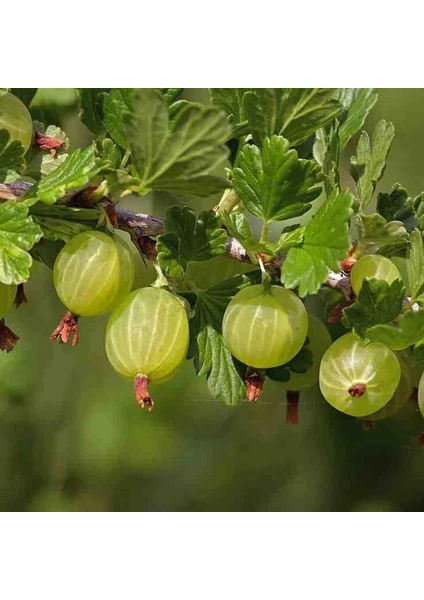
[[376, 234], [379, 302], [295, 113], [409, 332], [299, 364], [211, 355], [89, 109], [289, 239], [398, 206], [325, 243], [18, 234], [326, 151], [358, 102], [113, 105], [47, 251], [58, 229], [188, 238], [11, 154], [171, 95], [415, 264], [273, 183], [24, 94], [179, 159], [368, 166], [231, 100], [77, 171]]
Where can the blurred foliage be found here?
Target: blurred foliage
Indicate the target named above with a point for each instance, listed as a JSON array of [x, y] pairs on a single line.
[[72, 438]]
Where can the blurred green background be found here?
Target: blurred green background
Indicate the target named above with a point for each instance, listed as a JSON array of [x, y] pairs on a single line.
[[73, 439]]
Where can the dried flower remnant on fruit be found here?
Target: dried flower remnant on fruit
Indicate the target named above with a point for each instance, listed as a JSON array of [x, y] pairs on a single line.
[[141, 389], [8, 339], [67, 327], [357, 390], [254, 382]]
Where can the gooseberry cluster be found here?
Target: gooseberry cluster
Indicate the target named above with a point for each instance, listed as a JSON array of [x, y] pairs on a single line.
[[260, 325]]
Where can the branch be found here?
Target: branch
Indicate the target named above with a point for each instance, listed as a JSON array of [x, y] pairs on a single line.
[[142, 227]]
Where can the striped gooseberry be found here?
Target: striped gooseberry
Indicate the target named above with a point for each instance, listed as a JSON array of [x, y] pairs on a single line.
[[92, 274], [358, 378], [147, 338], [265, 326], [373, 266]]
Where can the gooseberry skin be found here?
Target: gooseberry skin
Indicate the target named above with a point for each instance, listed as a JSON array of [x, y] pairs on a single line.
[[16, 119], [148, 334], [421, 395], [373, 266], [350, 362], [402, 394], [87, 273], [7, 298], [127, 273], [265, 326], [319, 341]]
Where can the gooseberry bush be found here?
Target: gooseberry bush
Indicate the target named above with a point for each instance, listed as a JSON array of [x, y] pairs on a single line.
[[280, 229]]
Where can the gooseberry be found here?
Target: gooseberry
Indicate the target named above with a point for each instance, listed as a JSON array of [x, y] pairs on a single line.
[[147, 338], [372, 266], [265, 325], [358, 378]]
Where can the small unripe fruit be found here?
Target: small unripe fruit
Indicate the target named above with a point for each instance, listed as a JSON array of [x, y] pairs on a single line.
[[265, 326]]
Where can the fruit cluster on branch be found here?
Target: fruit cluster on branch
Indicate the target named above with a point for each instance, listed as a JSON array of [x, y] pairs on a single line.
[[270, 155]]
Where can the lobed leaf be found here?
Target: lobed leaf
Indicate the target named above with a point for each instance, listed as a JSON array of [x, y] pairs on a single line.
[[18, 234], [273, 183], [368, 166], [409, 331], [325, 243], [378, 302], [177, 159], [295, 113], [77, 171], [188, 238], [358, 102]]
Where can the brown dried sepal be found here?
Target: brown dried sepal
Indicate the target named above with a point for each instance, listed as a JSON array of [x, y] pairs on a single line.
[[8, 339], [254, 382], [46, 142], [141, 389], [292, 409], [20, 297], [357, 390], [67, 327]]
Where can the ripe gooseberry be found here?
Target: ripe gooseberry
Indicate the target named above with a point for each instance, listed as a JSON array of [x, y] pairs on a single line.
[[8, 339], [265, 326], [358, 378], [92, 274], [15, 118], [372, 266], [147, 339]]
